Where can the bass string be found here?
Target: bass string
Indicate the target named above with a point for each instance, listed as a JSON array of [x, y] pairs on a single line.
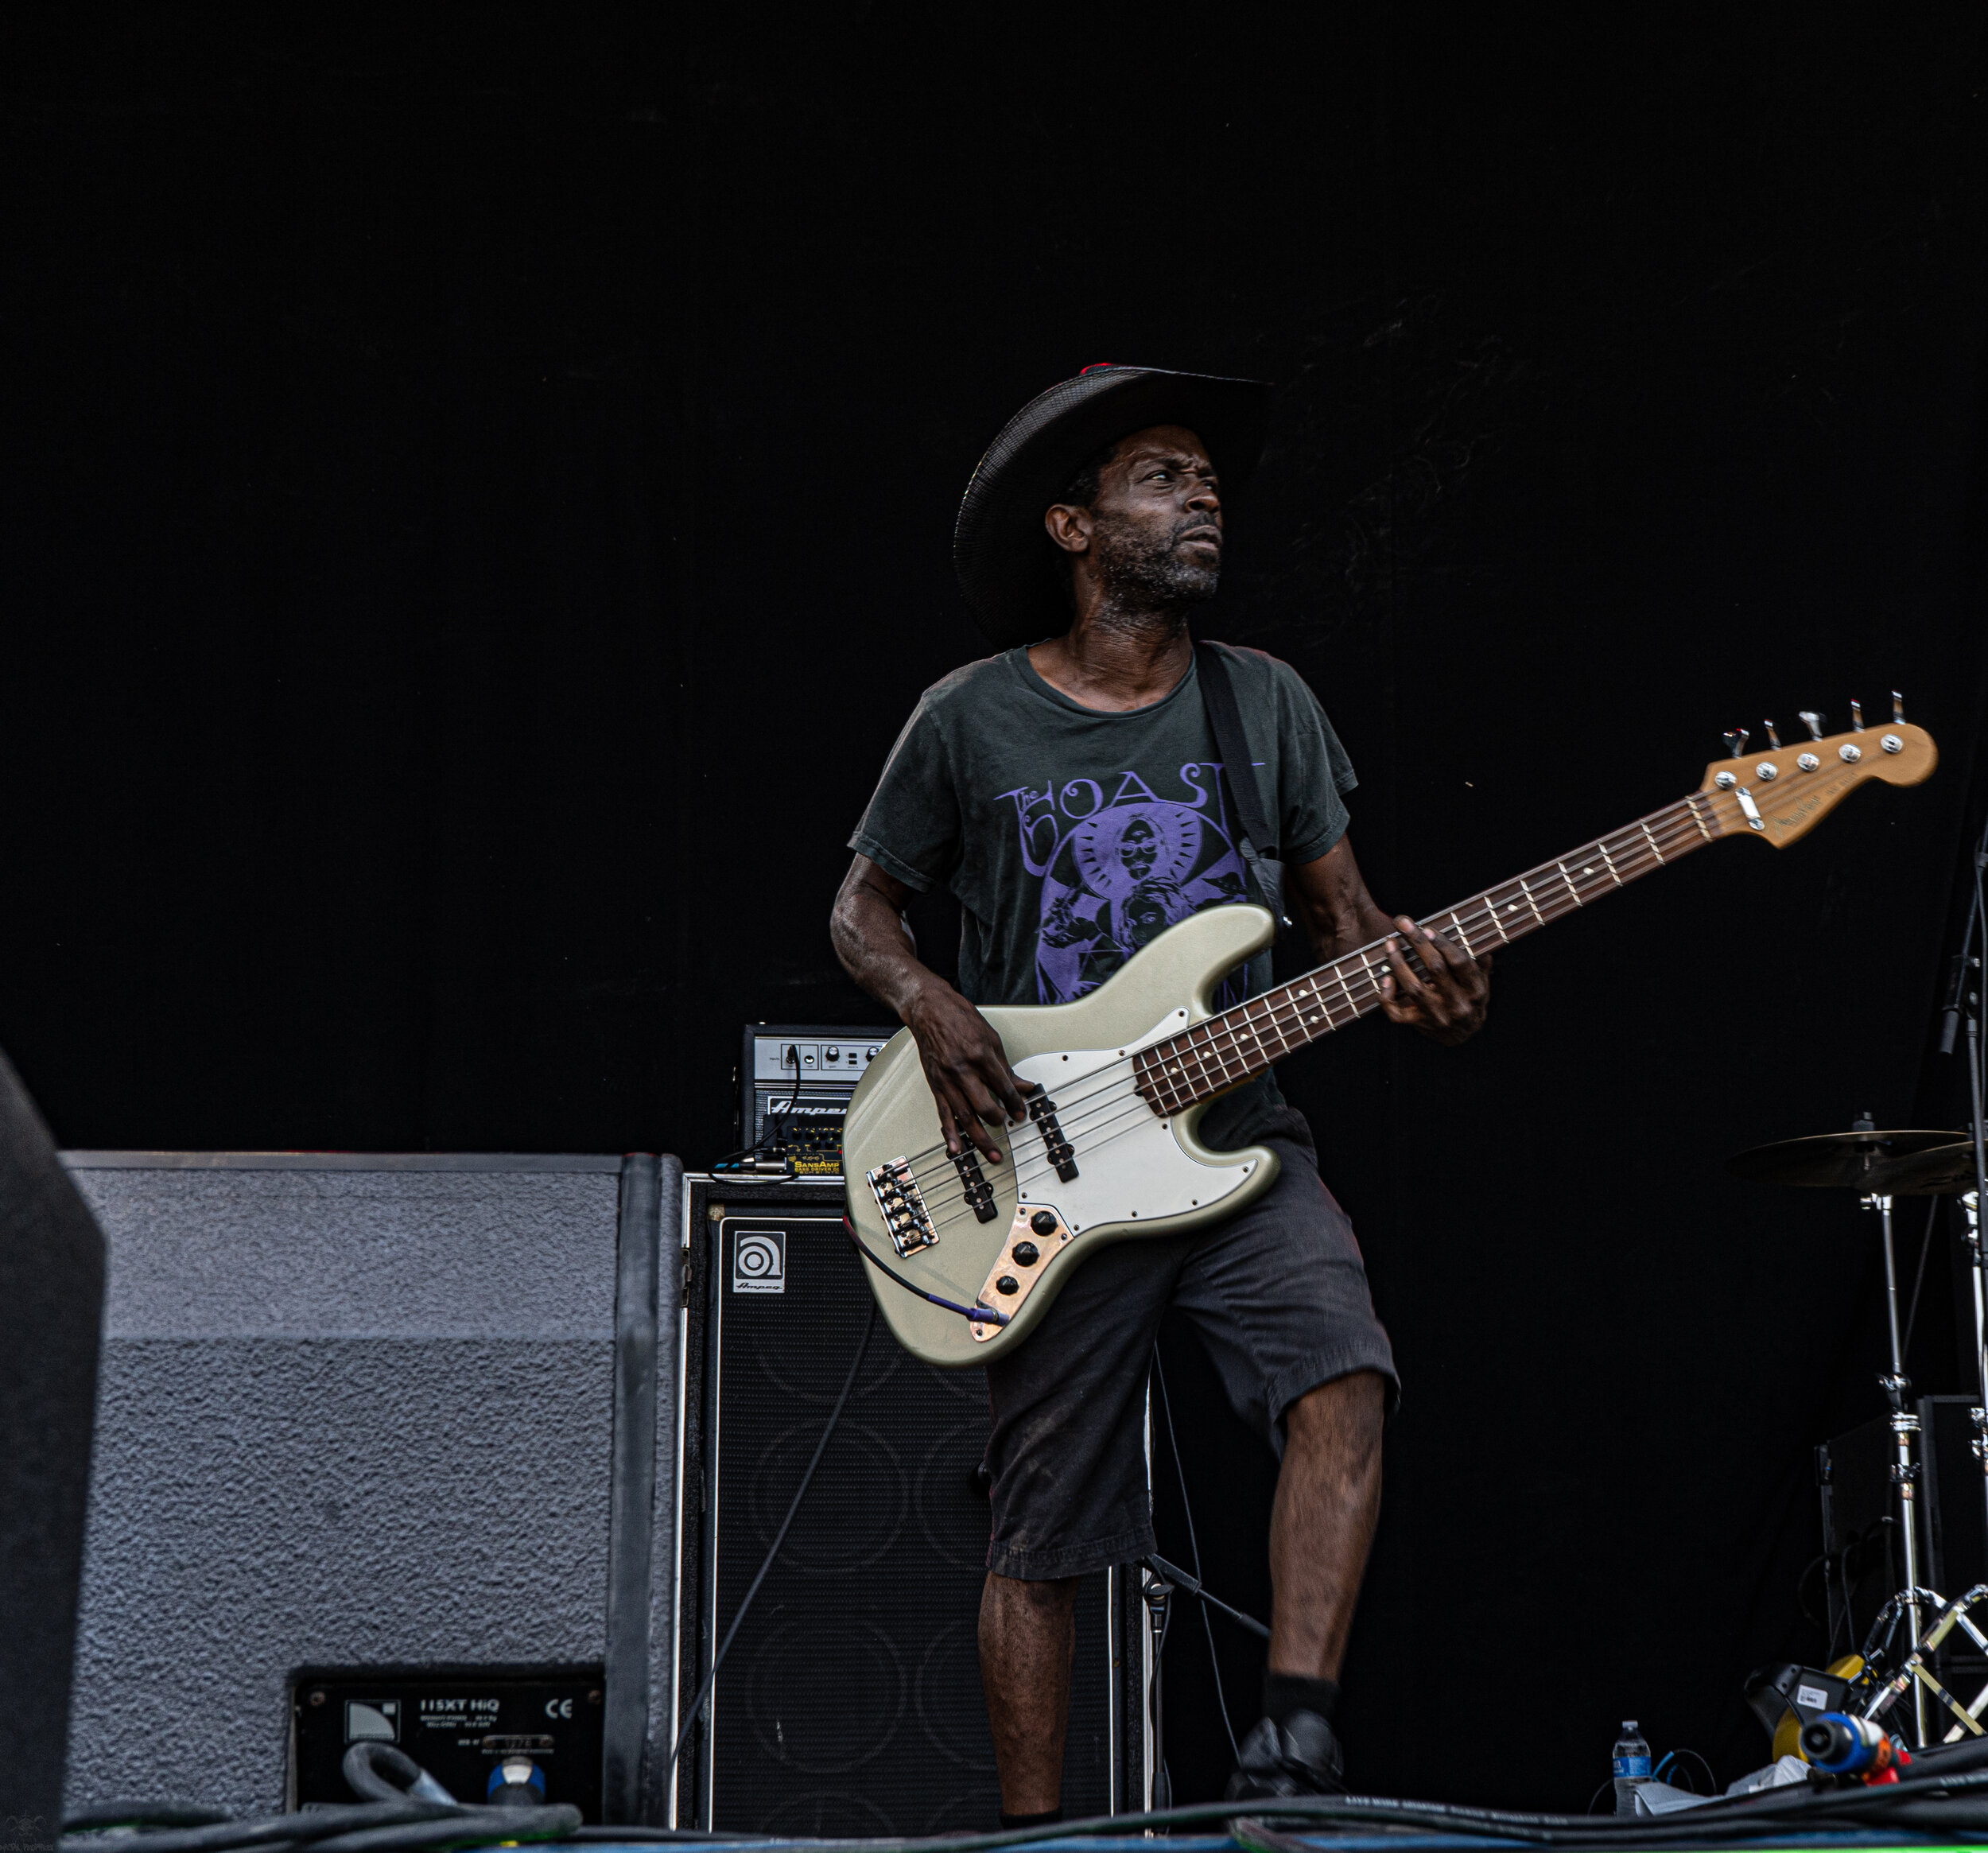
[[1065, 1103], [1364, 993], [1284, 1008], [958, 1210]]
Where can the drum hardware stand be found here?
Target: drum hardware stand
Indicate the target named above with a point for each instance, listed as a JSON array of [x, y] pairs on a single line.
[[1904, 1475], [1970, 1202], [1916, 1671], [1967, 960]]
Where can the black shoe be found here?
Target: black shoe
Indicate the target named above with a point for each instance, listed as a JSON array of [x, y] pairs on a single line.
[[1302, 1758]]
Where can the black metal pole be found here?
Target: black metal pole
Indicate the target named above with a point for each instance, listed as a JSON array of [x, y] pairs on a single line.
[[1157, 1592]]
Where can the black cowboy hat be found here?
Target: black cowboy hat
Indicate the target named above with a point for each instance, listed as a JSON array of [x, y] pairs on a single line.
[[1007, 562]]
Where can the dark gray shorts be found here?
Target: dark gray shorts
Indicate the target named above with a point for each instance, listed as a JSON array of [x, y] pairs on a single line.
[[1279, 1296]]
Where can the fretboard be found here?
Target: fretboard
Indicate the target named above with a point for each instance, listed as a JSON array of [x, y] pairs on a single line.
[[1224, 1052]]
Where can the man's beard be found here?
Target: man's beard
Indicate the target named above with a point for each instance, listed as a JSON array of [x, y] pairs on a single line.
[[1138, 573]]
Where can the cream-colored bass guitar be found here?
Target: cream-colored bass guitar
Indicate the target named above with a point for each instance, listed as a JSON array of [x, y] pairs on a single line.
[[1124, 1073]]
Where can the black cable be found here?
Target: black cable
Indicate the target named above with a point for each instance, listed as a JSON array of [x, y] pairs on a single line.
[[632, 1835], [465, 1827], [779, 1538], [1955, 1807], [982, 1313], [142, 1814], [283, 1830], [372, 1827], [1931, 1805], [1680, 1778], [1193, 1550], [776, 1122], [1711, 1782]]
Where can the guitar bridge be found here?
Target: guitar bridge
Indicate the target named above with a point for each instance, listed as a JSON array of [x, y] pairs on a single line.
[[1042, 1109], [979, 1193], [905, 1216]]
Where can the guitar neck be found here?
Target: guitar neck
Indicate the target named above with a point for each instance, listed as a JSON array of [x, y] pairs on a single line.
[[1224, 1052]]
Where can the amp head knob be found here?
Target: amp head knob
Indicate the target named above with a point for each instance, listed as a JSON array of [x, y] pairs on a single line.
[[1043, 1222]]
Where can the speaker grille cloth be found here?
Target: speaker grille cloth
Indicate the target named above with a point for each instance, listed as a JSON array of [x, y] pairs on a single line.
[[851, 1702]]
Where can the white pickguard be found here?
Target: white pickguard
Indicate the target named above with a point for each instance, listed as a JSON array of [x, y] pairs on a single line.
[[1129, 1169]]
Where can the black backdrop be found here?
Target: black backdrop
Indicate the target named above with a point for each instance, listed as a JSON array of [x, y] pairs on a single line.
[[477, 510]]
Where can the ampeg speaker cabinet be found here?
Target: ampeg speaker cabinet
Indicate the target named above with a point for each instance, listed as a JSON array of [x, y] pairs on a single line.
[[850, 1701], [385, 1448]]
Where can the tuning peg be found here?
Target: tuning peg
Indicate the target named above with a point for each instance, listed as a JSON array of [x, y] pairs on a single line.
[[1898, 707], [1736, 741], [1773, 739], [1856, 717], [1813, 721]]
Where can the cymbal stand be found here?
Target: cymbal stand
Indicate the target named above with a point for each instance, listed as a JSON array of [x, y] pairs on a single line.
[[1970, 1204], [1966, 961], [1904, 1473], [1916, 1670]]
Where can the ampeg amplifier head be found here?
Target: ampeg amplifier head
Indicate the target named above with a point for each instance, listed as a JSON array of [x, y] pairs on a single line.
[[794, 1084]]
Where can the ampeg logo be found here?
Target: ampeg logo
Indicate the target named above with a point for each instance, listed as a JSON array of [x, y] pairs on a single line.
[[759, 1261]]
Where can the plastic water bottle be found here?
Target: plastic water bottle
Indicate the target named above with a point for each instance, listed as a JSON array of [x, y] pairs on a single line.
[[1632, 1766]]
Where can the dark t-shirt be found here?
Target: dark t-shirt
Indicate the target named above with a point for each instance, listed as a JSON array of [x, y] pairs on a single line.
[[1072, 836]]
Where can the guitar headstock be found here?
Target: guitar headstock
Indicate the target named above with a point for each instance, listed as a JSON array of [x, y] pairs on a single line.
[[1781, 791]]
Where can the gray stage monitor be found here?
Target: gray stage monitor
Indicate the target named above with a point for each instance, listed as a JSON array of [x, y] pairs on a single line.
[[374, 1414]]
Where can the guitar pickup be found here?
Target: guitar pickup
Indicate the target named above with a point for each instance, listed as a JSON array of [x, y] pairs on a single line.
[[896, 1191], [1042, 1109], [979, 1193]]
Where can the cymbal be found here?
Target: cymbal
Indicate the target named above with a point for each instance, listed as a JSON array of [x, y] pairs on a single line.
[[1833, 1160], [1946, 1170]]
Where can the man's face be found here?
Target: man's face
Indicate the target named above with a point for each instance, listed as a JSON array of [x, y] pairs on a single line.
[[1155, 528]]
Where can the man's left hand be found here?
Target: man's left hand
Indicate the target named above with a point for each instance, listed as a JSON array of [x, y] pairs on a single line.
[[1442, 992]]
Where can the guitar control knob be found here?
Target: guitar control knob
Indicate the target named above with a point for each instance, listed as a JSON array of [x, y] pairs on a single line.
[[1043, 1222], [1025, 1254], [1008, 1285]]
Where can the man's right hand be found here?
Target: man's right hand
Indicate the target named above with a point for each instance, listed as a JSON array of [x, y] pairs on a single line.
[[965, 1063], [967, 1068]]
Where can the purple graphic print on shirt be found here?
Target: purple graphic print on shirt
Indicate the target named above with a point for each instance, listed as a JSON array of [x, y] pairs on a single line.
[[1115, 870]]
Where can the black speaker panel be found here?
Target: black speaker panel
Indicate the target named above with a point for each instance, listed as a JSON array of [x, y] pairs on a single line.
[[51, 1304], [850, 1702]]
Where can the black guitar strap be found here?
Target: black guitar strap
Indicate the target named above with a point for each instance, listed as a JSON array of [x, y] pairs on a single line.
[[1239, 779]]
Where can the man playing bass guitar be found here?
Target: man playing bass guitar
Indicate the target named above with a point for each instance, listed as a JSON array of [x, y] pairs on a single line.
[[1070, 793]]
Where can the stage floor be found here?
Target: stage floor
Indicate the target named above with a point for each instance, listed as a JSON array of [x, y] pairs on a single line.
[[1383, 1843]]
